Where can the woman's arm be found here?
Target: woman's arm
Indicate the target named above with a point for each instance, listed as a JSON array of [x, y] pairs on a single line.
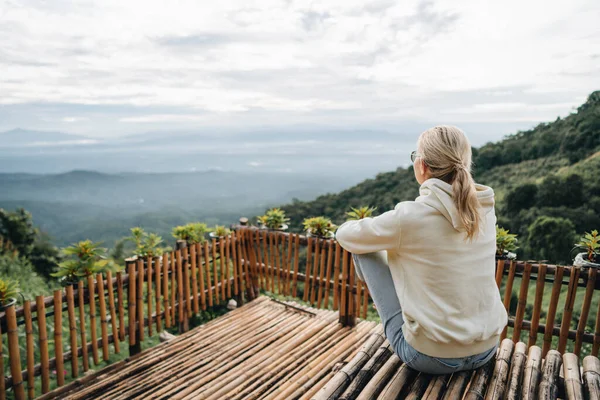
[[369, 235]]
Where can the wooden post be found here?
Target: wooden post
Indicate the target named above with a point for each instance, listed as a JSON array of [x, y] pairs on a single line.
[[30, 348], [72, 331], [134, 344], [92, 305], [13, 353], [43, 343], [58, 345]]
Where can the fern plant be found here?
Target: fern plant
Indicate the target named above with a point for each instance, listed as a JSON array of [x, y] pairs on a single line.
[[274, 219], [8, 292], [84, 259], [146, 244], [360, 212], [590, 243], [220, 231], [506, 243], [319, 226], [192, 233]]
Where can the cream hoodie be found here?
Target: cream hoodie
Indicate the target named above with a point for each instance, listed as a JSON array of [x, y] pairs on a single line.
[[446, 285]]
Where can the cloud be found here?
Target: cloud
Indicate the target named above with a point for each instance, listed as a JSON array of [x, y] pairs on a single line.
[[74, 119], [255, 163], [333, 62]]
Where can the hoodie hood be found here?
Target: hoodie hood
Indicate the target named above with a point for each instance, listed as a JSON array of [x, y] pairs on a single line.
[[438, 194]]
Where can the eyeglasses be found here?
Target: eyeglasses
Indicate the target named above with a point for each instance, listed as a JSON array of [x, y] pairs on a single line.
[[414, 155]]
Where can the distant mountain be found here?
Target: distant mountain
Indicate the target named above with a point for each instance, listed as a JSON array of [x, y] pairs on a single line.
[[546, 179], [22, 137]]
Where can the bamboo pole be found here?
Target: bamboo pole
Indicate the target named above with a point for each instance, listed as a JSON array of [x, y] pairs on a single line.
[[158, 285], [457, 385], [288, 275], [336, 276], [322, 273], [58, 345], [315, 273], [296, 262], [206, 256], [499, 380], [131, 304], [436, 387], [43, 343], [2, 381], [82, 328], [531, 377], [499, 272], [380, 379], [549, 386], [92, 305], [165, 290], [573, 386], [173, 287], [343, 300], [215, 275], [537, 306], [328, 273], [149, 292], [139, 291], [228, 265], [400, 381], [262, 255], [232, 254], [308, 269], [237, 259], [103, 319], [201, 275], [568, 309], [112, 310], [522, 303], [72, 333], [121, 306], [365, 374], [180, 299], [516, 372], [552, 309], [591, 377], [13, 353], [222, 265], [585, 310], [508, 292], [277, 264], [30, 349], [480, 381], [186, 290]]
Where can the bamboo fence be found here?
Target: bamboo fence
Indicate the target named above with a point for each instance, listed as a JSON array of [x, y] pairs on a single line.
[[61, 337]]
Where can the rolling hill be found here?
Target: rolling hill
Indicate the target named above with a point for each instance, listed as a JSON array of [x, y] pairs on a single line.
[[546, 179]]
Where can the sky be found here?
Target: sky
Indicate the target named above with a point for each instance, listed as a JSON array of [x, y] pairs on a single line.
[[112, 67]]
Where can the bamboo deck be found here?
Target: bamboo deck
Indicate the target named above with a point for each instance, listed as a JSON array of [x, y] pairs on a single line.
[[262, 350], [270, 350]]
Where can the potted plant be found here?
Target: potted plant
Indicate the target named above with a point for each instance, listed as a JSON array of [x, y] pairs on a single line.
[[506, 244], [360, 212], [590, 244], [219, 231], [146, 244], [319, 226], [85, 259], [8, 293], [191, 233], [274, 219]]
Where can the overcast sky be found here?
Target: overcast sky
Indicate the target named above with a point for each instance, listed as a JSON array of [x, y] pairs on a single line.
[[113, 67]]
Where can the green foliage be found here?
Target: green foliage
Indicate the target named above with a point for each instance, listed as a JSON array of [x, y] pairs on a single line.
[[146, 244], [551, 238], [220, 231], [360, 212], [521, 198], [8, 289], [192, 233], [274, 218], [505, 241], [83, 259], [590, 243], [319, 226]]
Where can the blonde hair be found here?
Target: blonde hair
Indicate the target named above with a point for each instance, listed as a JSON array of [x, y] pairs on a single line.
[[447, 152]]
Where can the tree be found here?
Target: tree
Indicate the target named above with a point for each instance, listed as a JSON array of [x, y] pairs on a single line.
[[551, 238], [521, 198]]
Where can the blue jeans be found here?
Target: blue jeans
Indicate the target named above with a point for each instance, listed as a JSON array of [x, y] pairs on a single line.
[[373, 269]]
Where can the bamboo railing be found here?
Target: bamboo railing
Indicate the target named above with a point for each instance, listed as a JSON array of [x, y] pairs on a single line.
[[154, 294]]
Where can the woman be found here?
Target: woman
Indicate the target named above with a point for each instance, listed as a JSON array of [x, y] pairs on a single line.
[[429, 264]]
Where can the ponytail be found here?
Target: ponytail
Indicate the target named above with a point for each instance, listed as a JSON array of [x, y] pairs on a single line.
[[447, 153], [466, 201]]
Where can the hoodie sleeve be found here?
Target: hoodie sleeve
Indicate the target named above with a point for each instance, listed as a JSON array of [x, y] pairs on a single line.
[[369, 235]]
